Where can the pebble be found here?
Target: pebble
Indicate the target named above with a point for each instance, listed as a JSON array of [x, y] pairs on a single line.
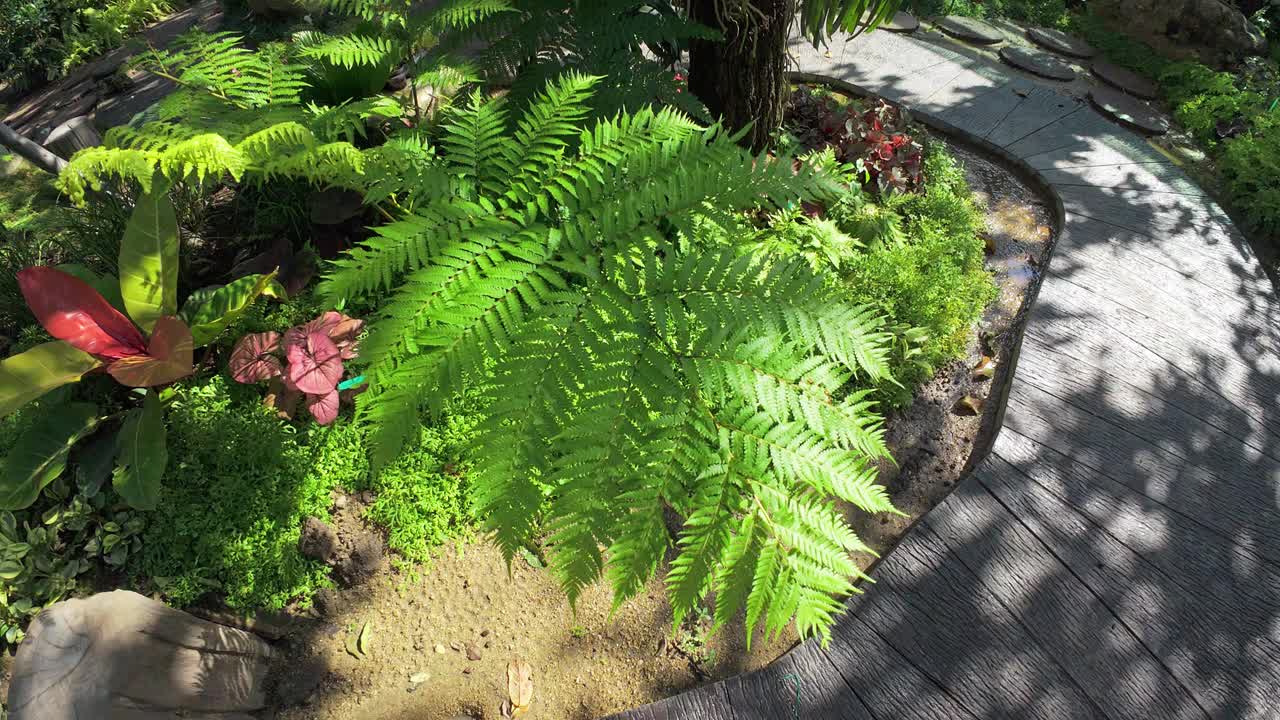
[[419, 677], [439, 649], [457, 646], [473, 653]]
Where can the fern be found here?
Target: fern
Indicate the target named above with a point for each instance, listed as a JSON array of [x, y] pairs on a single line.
[[629, 368]]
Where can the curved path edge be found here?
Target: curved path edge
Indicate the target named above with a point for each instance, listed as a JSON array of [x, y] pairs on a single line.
[[1117, 553]]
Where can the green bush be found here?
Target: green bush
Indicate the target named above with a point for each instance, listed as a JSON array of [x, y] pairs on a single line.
[[1203, 98], [934, 278], [1250, 167]]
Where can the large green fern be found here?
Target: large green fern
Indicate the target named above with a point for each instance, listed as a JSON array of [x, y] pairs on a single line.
[[628, 368]]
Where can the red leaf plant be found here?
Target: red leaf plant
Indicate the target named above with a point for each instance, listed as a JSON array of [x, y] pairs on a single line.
[[72, 311], [303, 365]]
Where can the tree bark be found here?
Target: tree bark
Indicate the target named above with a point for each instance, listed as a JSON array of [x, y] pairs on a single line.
[[30, 151], [742, 77]]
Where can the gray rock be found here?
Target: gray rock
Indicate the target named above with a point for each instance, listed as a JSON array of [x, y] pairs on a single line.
[[1209, 23], [75, 134], [121, 656]]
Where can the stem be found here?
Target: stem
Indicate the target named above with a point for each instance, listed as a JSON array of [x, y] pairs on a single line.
[[30, 151]]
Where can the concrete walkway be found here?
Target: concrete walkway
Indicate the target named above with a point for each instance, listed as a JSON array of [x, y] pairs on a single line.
[[1118, 554]]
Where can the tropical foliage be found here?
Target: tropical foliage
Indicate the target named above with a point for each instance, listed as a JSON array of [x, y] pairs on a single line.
[[623, 358], [150, 347]]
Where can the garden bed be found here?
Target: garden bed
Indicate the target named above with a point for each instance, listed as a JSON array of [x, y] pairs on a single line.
[[445, 635]]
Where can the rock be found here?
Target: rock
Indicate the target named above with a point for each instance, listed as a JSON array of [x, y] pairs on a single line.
[[419, 677], [340, 501], [1037, 62], [901, 22], [75, 134], [1212, 24], [970, 30], [1060, 42], [118, 655], [440, 649], [363, 560], [318, 540], [473, 652], [1128, 111], [334, 206], [1124, 79]]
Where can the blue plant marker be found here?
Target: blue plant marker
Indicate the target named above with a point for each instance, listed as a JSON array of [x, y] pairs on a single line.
[[795, 704], [353, 382]]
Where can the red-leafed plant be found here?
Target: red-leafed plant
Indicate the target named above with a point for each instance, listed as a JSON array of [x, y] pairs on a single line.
[[871, 135], [303, 365], [152, 345]]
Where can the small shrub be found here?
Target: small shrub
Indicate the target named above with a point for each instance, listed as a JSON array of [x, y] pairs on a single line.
[[1210, 104], [934, 279], [1250, 167]]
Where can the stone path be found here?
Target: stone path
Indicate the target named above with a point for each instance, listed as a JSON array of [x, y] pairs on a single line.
[[1118, 553]]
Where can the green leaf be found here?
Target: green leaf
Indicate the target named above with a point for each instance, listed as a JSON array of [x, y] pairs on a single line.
[[10, 570], [27, 376], [149, 261], [94, 462], [141, 455], [108, 286], [209, 313], [40, 454]]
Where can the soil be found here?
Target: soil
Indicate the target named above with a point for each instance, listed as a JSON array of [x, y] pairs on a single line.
[[439, 639]]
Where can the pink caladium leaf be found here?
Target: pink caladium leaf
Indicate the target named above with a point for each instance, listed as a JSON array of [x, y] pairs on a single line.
[[324, 408], [341, 329], [255, 358], [315, 364]]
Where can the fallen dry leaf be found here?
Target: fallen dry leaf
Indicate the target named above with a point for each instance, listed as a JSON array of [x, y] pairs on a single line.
[[968, 405], [519, 686], [985, 369]]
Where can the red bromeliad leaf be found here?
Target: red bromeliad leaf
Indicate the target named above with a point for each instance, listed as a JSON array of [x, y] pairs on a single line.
[[169, 357], [255, 358], [324, 408], [315, 364], [71, 310]]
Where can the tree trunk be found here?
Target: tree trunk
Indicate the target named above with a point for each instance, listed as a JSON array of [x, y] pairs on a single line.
[[30, 151], [742, 78]]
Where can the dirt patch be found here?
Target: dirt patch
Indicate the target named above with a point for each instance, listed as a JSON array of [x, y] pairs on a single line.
[[440, 640]]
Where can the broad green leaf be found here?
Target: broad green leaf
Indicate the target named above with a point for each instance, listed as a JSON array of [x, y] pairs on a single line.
[[27, 376], [214, 311], [40, 454], [141, 455], [94, 461], [108, 286], [149, 261]]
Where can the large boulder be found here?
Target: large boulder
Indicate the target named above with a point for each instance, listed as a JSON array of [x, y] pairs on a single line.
[[1209, 24], [121, 656]]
